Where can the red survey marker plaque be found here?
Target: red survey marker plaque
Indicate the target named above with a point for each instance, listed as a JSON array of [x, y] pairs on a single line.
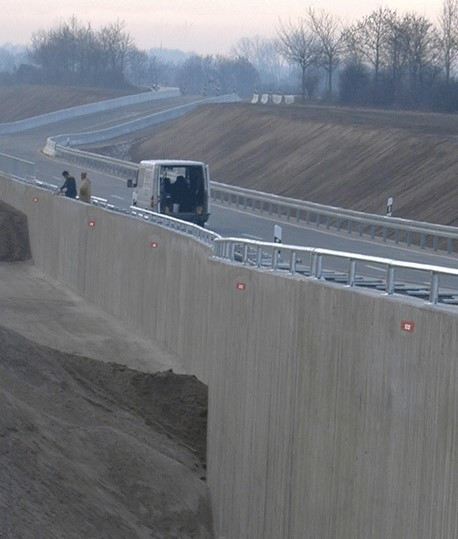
[[408, 327]]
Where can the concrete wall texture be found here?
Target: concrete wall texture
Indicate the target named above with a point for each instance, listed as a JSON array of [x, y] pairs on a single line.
[[326, 419]]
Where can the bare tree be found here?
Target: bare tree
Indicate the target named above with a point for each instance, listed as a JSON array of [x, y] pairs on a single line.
[[74, 54], [259, 51], [138, 62], [421, 46], [115, 44], [448, 35], [58, 51], [367, 39], [397, 54], [298, 45], [328, 31]]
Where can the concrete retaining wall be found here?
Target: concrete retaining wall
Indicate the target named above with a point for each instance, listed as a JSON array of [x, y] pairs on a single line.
[[325, 418]]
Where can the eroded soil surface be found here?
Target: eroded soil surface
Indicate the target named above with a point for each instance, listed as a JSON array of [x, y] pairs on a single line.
[[90, 448]]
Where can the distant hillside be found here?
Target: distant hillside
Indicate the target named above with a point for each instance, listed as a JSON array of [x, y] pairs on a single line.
[[25, 101], [341, 157]]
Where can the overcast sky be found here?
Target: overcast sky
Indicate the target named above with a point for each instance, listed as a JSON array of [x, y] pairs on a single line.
[[202, 26]]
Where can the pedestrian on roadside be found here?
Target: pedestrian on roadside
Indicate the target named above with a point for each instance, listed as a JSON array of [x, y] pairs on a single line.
[[85, 188], [69, 186]]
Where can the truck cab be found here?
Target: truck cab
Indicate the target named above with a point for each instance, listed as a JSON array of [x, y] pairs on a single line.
[[177, 188]]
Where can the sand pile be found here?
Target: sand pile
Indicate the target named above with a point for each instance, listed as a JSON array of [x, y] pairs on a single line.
[[94, 449], [14, 235]]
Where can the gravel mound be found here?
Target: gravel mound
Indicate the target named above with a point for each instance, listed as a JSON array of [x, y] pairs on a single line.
[[94, 449], [14, 235]]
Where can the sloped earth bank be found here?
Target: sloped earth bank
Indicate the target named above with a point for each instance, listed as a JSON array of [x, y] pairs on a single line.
[[25, 101], [95, 449], [342, 157]]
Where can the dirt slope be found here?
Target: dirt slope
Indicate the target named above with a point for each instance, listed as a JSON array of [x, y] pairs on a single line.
[[342, 157], [95, 449], [25, 101], [90, 449]]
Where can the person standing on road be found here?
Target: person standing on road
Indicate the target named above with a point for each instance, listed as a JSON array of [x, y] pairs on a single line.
[[69, 187], [85, 188]]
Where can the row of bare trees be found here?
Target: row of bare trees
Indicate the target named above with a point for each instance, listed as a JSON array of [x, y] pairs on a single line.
[[383, 59], [398, 59], [73, 53]]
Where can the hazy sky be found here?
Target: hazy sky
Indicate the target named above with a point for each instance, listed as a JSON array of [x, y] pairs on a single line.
[[202, 26]]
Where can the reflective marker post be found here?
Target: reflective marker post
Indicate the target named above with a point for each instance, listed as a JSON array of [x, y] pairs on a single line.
[[277, 239], [389, 207]]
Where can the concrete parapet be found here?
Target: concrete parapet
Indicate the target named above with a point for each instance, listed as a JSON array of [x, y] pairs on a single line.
[[326, 417], [90, 137]]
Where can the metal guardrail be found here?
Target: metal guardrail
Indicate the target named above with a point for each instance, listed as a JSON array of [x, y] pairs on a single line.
[[400, 230], [408, 232], [191, 229], [264, 254], [15, 167], [285, 258], [93, 161], [90, 108], [60, 142], [282, 207]]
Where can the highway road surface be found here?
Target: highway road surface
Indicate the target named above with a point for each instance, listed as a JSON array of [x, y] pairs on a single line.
[[227, 221]]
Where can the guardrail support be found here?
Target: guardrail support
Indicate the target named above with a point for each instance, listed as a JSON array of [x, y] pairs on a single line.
[[292, 262], [245, 254], [434, 288], [275, 257], [319, 267], [351, 272], [258, 257], [390, 281]]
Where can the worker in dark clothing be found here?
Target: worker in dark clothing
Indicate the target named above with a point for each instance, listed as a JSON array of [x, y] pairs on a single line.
[[181, 194], [69, 187]]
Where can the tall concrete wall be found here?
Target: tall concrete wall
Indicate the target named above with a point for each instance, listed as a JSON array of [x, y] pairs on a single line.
[[325, 418]]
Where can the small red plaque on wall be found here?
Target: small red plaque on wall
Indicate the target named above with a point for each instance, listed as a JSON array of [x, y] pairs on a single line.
[[409, 327], [35, 199], [241, 286], [154, 244], [92, 224]]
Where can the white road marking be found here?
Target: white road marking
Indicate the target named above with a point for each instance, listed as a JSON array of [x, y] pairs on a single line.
[[116, 196], [322, 230], [375, 268], [250, 236]]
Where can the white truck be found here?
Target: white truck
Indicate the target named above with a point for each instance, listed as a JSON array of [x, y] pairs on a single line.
[[175, 187]]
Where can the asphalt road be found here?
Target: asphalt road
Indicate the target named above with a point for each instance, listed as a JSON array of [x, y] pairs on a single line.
[[227, 221]]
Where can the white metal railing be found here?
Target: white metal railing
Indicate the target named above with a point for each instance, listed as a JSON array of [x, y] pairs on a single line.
[[93, 161], [161, 219], [279, 257], [15, 167], [400, 230]]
